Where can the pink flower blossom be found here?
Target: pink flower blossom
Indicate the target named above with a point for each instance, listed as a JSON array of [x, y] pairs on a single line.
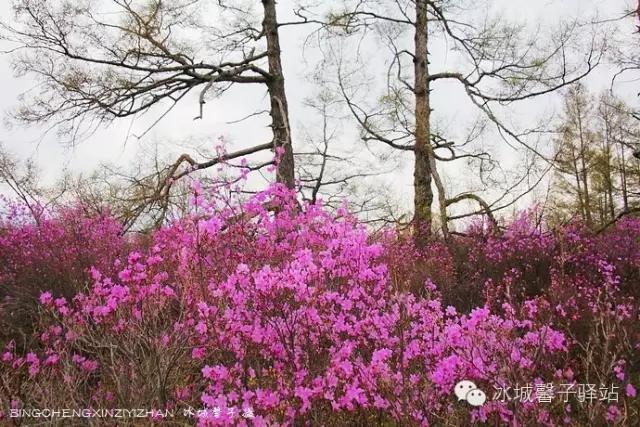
[[46, 298], [630, 390], [198, 352]]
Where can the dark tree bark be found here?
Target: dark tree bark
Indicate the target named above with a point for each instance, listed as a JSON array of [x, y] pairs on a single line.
[[279, 106], [423, 198]]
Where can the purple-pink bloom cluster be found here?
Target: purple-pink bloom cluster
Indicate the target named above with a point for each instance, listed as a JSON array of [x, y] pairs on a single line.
[[300, 314]]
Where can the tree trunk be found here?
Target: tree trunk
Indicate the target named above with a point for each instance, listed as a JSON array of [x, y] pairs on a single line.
[[623, 179], [612, 207], [587, 198], [279, 106], [584, 173], [423, 197], [576, 174]]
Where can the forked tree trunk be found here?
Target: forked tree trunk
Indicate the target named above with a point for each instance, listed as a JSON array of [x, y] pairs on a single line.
[[279, 106]]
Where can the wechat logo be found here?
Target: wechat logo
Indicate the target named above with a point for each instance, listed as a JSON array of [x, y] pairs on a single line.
[[467, 390]]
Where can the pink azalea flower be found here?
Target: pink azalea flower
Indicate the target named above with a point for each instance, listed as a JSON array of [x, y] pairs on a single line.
[[630, 390]]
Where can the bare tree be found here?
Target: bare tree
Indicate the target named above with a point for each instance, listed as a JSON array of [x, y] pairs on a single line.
[[623, 133], [500, 64], [96, 61], [22, 179], [330, 170], [626, 54]]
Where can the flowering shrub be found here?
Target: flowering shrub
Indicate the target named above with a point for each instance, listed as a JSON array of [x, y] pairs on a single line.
[[53, 253], [295, 315]]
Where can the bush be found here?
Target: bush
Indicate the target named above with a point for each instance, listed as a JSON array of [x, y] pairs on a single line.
[[296, 314], [53, 253]]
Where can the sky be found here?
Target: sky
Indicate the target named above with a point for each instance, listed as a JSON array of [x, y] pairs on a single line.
[[117, 143]]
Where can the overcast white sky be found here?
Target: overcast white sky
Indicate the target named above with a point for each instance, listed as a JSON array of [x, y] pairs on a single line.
[[117, 145]]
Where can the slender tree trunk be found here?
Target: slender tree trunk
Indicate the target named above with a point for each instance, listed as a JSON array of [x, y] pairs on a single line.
[[611, 208], [576, 173], [623, 179], [584, 173], [602, 209], [606, 148], [587, 197], [442, 199], [423, 197], [279, 106]]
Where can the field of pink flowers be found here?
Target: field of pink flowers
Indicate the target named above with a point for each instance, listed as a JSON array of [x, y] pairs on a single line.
[[265, 312]]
